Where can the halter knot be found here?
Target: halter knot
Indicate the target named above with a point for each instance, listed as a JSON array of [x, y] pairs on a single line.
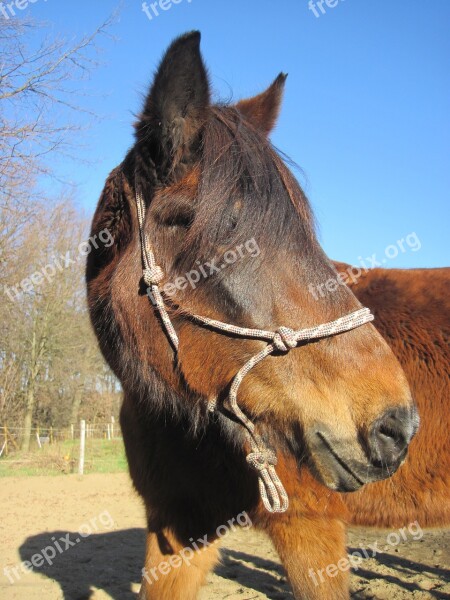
[[262, 459], [153, 275], [284, 339]]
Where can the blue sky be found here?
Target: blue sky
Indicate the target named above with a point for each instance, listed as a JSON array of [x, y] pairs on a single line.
[[365, 112]]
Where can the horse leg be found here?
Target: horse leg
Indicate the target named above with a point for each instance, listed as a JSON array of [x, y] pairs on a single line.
[[174, 572], [313, 553], [310, 537]]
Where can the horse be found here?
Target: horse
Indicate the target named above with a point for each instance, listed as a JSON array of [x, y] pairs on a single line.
[[412, 310], [244, 399]]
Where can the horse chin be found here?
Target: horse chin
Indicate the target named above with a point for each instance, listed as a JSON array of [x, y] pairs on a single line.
[[336, 477], [343, 466]]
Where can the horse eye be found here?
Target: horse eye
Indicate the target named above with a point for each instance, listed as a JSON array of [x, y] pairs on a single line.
[[175, 214], [181, 220]]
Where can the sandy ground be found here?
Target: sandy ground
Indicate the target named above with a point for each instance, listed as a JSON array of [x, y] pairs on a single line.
[[38, 511]]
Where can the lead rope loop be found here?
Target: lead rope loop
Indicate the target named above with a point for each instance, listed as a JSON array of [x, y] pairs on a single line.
[[261, 458]]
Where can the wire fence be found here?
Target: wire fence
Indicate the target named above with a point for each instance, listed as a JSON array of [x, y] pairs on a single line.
[[81, 448]]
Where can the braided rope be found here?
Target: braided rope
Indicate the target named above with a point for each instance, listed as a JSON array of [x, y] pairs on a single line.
[[261, 458], [152, 273]]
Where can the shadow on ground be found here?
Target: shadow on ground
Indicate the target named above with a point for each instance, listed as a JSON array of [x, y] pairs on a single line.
[[401, 573], [112, 562], [263, 576]]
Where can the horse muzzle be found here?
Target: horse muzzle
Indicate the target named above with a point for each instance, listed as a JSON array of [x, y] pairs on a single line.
[[346, 465]]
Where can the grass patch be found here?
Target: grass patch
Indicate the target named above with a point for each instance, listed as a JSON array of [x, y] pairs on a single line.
[[101, 456]]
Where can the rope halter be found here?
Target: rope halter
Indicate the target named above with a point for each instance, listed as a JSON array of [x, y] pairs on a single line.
[[262, 459]]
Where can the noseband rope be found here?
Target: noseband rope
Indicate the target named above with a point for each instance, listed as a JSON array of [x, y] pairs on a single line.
[[261, 458]]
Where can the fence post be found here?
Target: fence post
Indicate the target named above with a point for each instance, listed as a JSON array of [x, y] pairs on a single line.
[[112, 427], [109, 431], [82, 447], [71, 431]]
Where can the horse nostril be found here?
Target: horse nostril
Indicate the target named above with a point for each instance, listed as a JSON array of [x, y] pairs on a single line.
[[389, 431], [389, 438]]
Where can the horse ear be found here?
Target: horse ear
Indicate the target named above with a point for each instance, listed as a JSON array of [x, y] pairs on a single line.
[[175, 108], [262, 110]]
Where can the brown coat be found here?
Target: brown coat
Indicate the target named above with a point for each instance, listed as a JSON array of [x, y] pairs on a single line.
[[412, 312]]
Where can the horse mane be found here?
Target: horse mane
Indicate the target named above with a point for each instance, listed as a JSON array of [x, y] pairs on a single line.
[[239, 165]]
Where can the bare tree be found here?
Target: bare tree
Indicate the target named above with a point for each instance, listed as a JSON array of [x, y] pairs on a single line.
[[49, 360], [48, 356], [38, 114]]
